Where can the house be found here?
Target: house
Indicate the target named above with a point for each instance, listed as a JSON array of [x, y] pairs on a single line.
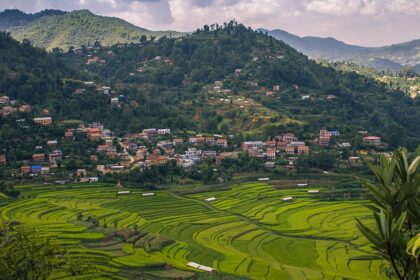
[[52, 142], [149, 132], [68, 135], [210, 199], [114, 101], [248, 145], [92, 59], [269, 165], [209, 154], [38, 157], [345, 145], [84, 180], [222, 142], [93, 158], [289, 137], [303, 150], [324, 140], [292, 161], [331, 97], [25, 108], [210, 141], [269, 93], [218, 83], [276, 88], [36, 168], [4, 99], [287, 198], [3, 159], [372, 140], [324, 137], [333, 133], [93, 179], [163, 131], [305, 97], [354, 159], [81, 173], [25, 169], [271, 153], [238, 71], [45, 170], [8, 110], [93, 133], [43, 120], [271, 143], [79, 91], [177, 141], [54, 156], [289, 150], [164, 144]]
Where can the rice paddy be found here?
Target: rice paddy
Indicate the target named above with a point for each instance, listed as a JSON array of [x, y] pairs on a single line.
[[247, 230]]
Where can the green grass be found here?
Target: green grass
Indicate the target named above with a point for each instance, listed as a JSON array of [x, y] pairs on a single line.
[[247, 231]]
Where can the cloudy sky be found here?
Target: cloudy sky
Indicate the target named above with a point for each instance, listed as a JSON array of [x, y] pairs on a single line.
[[362, 22]]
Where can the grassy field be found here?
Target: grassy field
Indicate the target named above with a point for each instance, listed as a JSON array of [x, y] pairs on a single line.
[[248, 230]]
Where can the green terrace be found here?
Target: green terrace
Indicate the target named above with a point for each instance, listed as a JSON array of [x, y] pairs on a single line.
[[249, 229]]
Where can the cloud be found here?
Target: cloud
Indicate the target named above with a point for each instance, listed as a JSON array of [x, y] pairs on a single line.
[[365, 22]]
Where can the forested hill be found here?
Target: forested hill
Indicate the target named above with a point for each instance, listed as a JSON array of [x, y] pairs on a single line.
[[170, 83], [30, 74], [14, 18], [387, 58], [74, 29]]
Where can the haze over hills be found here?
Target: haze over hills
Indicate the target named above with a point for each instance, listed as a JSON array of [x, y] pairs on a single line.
[[56, 29], [392, 57]]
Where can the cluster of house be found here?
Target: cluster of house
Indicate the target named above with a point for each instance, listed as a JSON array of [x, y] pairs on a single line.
[[9, 107], [286, 145], [187, 152]]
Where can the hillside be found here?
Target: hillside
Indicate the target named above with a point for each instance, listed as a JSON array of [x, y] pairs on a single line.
[[193, 64], [13, 18], [77, 28], [29, 74], [385, 58], [171, 83]]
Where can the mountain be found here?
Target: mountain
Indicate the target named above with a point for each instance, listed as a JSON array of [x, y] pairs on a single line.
[[392, 57], [63, 30], [170, 83], [13, 17]]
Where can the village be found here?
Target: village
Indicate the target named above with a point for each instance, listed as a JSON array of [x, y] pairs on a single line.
[[159, 146]]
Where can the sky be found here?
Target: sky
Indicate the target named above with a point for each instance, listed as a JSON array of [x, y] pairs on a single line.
[[360, 22]]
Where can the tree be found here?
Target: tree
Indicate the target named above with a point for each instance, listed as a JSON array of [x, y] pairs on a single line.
[[24, 254], [396, 209]]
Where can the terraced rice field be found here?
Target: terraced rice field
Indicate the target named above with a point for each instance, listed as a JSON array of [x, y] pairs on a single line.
[[248, 230]]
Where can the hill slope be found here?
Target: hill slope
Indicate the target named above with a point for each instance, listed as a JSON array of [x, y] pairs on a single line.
[[11, 18], [382, 58], [193, 64], [79, 28], [170, 83]]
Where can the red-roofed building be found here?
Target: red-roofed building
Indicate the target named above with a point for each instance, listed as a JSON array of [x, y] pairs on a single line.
[[271, 153], [302, 150], [373, 140]]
